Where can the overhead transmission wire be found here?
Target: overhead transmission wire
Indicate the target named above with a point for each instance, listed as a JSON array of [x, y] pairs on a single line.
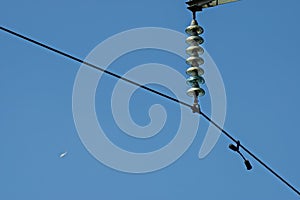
[[155, 92]]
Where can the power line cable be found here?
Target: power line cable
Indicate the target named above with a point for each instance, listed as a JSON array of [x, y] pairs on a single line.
[[155, 92]]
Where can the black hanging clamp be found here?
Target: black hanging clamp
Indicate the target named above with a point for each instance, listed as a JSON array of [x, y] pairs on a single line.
[[237, 149]]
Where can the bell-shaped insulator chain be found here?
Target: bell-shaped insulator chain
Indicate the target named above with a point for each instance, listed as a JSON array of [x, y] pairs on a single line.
[[195, 61]]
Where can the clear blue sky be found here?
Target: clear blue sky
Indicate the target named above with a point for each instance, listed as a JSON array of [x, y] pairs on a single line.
[[255, 45]]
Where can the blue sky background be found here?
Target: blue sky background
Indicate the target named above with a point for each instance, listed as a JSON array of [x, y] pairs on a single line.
[[255, 45]]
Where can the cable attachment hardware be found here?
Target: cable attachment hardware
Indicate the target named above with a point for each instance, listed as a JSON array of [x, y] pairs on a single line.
[[237, 149], [196, 106]]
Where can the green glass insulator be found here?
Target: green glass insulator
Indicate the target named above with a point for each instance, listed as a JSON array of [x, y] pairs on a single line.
[[194, 81]]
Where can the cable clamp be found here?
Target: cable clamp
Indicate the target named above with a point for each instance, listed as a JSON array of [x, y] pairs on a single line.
[[237, 149]]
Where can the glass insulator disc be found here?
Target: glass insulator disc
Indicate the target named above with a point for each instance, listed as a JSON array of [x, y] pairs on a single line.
[[195, 71], [194, 61], [195, 92], [194, 50]]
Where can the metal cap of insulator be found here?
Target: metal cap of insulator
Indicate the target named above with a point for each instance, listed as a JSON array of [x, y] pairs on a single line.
[[195, 92], [194, 81], [194, 40], [195, 71], [194, 50], [194, 61], [194, 29]]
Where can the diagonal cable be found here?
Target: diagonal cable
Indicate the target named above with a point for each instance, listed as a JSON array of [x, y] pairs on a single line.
[[155, 92]]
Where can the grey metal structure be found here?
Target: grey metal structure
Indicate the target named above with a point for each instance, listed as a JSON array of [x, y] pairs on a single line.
[[198, 5]]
